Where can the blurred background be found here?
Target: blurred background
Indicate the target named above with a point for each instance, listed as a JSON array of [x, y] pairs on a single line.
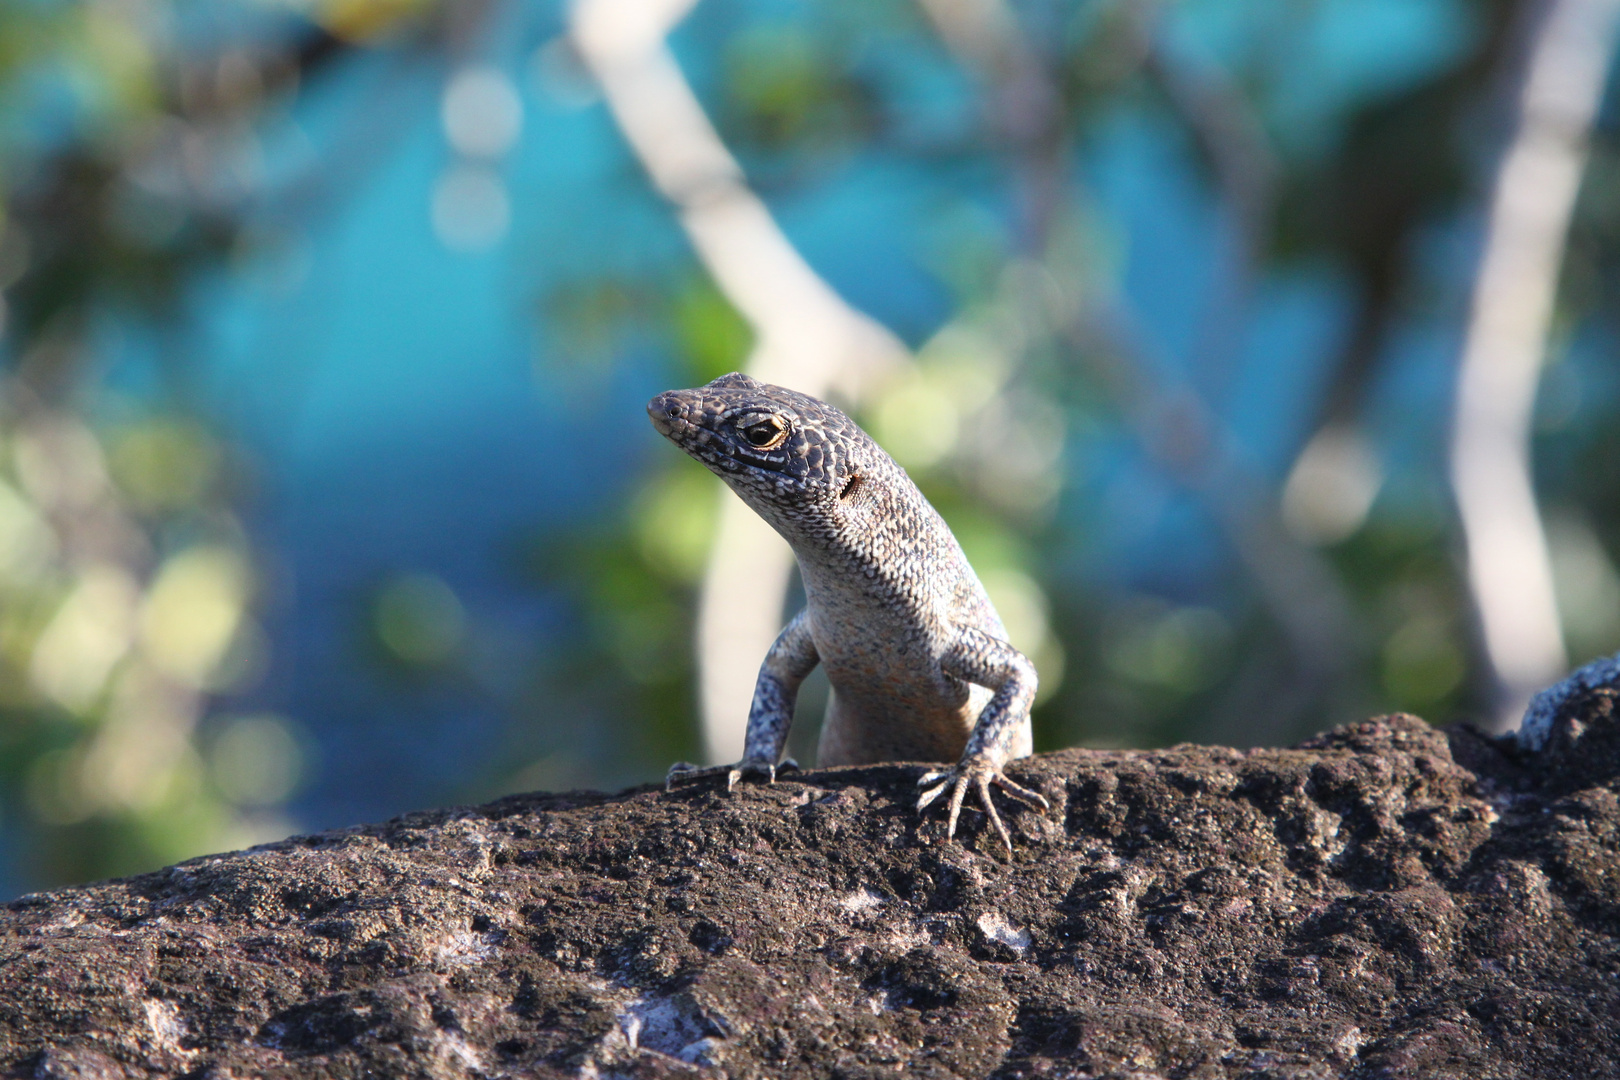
[[1261, 355]]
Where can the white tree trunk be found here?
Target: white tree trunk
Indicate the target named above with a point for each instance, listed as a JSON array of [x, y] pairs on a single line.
[[805, 335], [1509, 571]]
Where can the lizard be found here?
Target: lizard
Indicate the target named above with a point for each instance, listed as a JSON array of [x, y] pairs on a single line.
[[918, 661]]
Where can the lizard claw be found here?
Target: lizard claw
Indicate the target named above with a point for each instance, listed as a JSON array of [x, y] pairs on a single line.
[[980, 774], [682, 772]]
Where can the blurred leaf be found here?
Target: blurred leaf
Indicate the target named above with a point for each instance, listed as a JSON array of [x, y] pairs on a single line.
[[166, 464], [255, 760], [418, 621], [711, 334], [368, 21], [674, 517], [792, 98], [589, 321]]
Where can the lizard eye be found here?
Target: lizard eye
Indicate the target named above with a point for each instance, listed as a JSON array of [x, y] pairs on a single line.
[[768, 434]]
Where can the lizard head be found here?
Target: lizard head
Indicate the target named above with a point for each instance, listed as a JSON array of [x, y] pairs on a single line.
[[776, 448]]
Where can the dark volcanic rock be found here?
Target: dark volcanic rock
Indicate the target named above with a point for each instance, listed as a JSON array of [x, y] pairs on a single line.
[[1387, 900]]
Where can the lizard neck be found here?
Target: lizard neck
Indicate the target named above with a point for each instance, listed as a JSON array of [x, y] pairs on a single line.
[[878, 544]]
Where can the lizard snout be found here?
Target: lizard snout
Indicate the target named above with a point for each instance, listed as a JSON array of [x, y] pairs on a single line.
[[664, 410]]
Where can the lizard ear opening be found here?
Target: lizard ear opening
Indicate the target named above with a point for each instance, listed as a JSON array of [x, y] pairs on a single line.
[[851, 486]]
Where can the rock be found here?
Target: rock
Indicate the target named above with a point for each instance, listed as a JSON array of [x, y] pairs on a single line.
[[1387, 900]]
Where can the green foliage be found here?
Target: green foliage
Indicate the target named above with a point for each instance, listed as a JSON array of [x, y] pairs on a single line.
[[625, 680], [786, 90], [129, 592], [592, 321], [126, 606], [416, 624], [711, 336]]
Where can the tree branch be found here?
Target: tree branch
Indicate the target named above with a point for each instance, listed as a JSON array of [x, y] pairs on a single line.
[[1509, 571], [806, 335]]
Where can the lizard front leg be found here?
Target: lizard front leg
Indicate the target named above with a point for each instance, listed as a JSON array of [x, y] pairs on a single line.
[[976, 657], [789, 660]]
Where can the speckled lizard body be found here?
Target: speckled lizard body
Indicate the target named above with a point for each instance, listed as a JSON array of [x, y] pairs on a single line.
[[916, 655]]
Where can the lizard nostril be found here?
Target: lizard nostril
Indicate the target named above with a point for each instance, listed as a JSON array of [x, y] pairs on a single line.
[[665, 412]]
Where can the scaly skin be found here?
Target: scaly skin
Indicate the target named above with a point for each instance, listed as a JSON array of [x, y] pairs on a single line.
[[917, 657]]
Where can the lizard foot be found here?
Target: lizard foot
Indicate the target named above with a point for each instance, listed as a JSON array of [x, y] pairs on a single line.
[[682, 773], [980, 774]]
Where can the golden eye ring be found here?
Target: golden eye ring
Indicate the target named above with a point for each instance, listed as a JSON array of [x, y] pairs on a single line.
[[767, 434]]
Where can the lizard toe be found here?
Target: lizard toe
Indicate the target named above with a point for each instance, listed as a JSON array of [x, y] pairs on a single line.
[[959, 788], [930, 795], [985, 801], [980, 776], [752, 768], [1032, 799], [683, 773]]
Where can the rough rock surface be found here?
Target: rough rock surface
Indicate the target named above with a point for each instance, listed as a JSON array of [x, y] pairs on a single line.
[[1387, 900]]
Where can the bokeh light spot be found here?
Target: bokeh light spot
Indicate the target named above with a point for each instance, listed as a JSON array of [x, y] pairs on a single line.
[[481, 112], [164, 465], [256, 760], [471, 209], [1332, 486], [194, 610], [1421, 663], [60, 464], [917, 422], [26, 542], [674, 522], [90, 632], [419, 620]]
